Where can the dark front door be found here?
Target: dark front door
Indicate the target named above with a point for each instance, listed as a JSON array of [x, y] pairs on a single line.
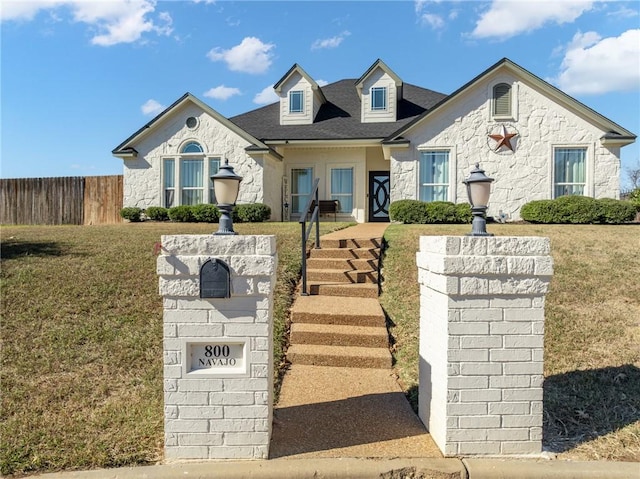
[[379, 184]]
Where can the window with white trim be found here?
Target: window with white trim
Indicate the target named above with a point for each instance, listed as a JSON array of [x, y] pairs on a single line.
[[296, 101], [342, 188], [186, 176], [379, 98], [434, 175], [301, 184], [502, 100], [569, 177]]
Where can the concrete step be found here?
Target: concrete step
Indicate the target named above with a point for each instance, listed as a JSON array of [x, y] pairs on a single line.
[[351, 243], [344, 264], [352, 290], [342, 276], [339, 335], [341, 356], [338, 310], [349, 253]]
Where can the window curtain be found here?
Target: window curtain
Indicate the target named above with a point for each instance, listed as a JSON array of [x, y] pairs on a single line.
[[301, 183], [191, 181], [214, 167], [342, 188], [569, 171], [434, 175], [169, 173]]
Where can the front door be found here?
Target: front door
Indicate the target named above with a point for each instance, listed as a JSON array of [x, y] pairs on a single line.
[[379, 185]]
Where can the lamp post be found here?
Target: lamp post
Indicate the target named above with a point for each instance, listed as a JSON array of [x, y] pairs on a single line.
[[226, 185], [478, 191]]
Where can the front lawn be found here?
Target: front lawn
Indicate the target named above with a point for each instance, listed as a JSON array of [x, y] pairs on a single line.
[[81, 333]]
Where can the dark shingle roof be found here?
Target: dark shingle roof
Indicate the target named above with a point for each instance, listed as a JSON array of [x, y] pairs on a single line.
[[339, 117]]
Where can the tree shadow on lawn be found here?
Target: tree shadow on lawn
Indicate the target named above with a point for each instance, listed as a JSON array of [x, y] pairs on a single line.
[[580, 406], [13, 248]]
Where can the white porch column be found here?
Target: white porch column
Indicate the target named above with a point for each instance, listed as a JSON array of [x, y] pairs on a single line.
[[481, 342]]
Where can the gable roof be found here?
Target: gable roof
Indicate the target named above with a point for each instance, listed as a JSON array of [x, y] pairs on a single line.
[[297, 68], [615, 132], [125, 149], [338, 118], [378, 63]]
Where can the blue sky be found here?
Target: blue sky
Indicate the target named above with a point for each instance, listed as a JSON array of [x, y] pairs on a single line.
[[79, 77]]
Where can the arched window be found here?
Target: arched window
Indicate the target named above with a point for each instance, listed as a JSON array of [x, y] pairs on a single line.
[[187, 176], [502, 100], [192, 147]]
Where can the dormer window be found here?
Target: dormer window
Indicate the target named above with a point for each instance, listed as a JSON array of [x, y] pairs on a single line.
[[296, 101], [379, 98], [502, 100]]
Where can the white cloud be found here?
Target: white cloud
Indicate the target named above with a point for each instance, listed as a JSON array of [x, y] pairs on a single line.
[[594, 65], [222, 92], [434, 21], [322, 83], [152, 107], [332, 42], [116, 22], [250, 56], [266, 96], [507, 18]]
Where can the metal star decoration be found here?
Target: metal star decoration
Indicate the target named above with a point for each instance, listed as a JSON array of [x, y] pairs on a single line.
[[504, 139]]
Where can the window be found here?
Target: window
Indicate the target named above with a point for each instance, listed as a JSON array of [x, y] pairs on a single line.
[[296, 101], [569, 171], [301, 184], [342, 188], [184, 177], [434, 175], [169, 182], [502, 100], [379, 98]]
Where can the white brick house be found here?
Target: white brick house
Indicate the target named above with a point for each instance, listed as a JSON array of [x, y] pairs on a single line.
[[377, 139]]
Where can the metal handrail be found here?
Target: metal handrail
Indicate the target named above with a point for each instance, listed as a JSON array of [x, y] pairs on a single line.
[[313, 199]]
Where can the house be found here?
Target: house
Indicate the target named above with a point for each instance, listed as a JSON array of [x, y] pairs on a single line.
[[376, 139]]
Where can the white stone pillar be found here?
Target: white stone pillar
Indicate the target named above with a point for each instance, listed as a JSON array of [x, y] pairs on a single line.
[[481, 342], [218, 353]]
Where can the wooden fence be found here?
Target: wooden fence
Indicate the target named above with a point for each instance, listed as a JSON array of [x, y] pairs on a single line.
[[61, 201]]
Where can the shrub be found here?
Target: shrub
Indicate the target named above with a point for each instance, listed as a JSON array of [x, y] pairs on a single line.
[[440, 212], [408, 211], [634, 198], [538, 211], [205, 213], [463, 213], [131, 213], [578, 210], [181, 214], [252, 213], [157, 213], [615, 211]]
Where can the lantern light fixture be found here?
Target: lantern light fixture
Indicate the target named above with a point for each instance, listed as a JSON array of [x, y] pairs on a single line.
[[478, 192], [226, 185]]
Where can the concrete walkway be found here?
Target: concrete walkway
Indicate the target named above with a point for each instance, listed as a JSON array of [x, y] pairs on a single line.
[[326, 411]]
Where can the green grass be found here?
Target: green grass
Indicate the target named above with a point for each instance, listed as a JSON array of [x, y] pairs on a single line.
[[81, 341], [81, 338], [592, 337]]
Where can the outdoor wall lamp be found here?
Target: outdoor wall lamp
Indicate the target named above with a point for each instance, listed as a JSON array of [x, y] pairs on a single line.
[[478, 191], [226, 185]]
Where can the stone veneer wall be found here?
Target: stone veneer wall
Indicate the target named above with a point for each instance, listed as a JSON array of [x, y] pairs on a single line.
[[208, 417], [481, 342]]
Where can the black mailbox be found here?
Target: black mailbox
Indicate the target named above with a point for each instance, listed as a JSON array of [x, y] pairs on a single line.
[[215, 279]]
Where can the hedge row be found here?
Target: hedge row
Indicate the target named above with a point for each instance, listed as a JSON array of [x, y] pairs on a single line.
[[421, 212], [579, 210], [203, 213]]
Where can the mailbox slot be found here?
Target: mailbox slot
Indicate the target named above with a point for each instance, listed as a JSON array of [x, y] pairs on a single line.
[[215, 279]]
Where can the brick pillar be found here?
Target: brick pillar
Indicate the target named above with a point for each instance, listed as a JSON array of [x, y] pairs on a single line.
[[481, 342], [218, 401]]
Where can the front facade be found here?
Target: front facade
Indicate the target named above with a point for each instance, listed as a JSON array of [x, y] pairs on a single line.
[[374, 140]]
